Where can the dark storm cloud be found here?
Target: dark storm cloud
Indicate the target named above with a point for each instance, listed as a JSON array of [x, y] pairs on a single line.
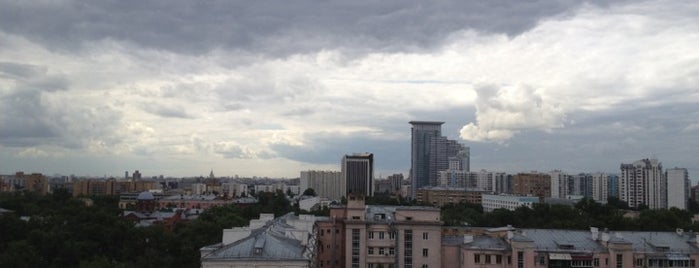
[[277, 28], [329, 149], [15, 70]]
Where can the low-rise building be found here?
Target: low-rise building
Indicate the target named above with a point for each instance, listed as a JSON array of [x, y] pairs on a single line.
[[541, 248], [286, 241], [492, 202], [440, 196]]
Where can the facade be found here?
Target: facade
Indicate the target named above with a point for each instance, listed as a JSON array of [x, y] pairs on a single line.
[[270, 242], [358, 174], [492, 202], [379, 236], [677, 187], [600, 187], [35, 182], [643, 183], [422, 133], [234, 190], [326, 184], [110, 187], [392, 185], [536, 184], [559, 184], [539, 248], [440, 196], [272, 188]]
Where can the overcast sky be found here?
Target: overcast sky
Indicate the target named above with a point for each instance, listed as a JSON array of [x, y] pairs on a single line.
[[270, 88]]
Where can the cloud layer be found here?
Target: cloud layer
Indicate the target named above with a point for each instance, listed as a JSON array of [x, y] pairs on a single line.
[[258, 89]]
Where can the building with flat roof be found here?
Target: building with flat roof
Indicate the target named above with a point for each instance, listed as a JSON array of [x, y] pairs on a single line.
[[358, 174], [492, 202], [677, 187], [326, 184], [440, 196], [536, 184], [422, 133], [643, 183]]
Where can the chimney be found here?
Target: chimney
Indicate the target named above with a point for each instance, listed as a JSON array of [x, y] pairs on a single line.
[[595, 233], [468, 239]]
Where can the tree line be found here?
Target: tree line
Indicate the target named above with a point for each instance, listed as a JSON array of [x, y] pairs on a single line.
[[58, 230], [586, 213]]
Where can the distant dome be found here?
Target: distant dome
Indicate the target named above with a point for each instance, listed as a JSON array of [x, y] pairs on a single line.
[[145, 196]]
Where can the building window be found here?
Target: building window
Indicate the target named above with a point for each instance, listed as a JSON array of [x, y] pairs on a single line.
[[392, 235], [425, 236], [477, 258], [498, 259], [487, 259], [371, 251], [425, 252], [595, 262], [425, 266], [381, 235], [392, 251], [382, 251], [355, 248], [520, 259], [371, 235], [619, 261], [639, 262], [408, 248]]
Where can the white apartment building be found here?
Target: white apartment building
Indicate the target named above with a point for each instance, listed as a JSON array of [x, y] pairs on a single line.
[[492, 202], [600, 187], [677, 187], [643, 182], [326, 184], [559, 184]]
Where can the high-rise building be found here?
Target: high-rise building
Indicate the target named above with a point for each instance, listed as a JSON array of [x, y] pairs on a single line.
[[432, 153], [532, 184], [643, 183], [326, 184], [422, 133], [613, 185], [677, 187], [559, 184], [358, 173], [600, 187]]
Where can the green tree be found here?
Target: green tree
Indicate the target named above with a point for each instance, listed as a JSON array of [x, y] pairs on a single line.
[[309, 192]]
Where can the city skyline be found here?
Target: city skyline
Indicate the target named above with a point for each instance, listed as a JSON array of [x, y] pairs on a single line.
[[161, 88]]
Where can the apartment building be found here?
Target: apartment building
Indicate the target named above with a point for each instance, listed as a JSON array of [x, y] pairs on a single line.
[[539, 248], [360, 236]]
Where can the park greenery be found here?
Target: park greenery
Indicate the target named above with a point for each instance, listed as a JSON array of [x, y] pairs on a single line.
[[58, 230]]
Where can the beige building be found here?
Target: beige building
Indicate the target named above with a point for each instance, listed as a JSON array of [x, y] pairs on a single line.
[[534, 184], [379, 236], [540, 248], [440, 196]]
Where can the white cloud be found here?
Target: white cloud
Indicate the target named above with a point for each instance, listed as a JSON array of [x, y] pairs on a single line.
[[503, 111]]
